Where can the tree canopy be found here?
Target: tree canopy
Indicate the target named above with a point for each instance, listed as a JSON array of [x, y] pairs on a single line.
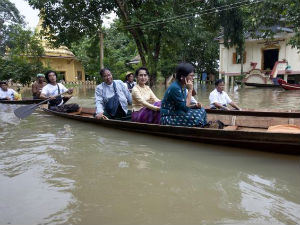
[[136, 21], [9, 16], [164, 32], [20, 49]]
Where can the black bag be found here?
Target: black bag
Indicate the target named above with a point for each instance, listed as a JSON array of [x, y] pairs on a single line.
[[57, 100], [68, 108], [111, 106]]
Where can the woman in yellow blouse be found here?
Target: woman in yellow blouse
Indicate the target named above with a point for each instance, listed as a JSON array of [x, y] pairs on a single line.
[[145, 105]]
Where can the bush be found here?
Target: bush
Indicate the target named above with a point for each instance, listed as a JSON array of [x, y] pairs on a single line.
[[19, 70]]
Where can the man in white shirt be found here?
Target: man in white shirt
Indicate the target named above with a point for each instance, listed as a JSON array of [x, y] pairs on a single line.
[[219, 99], [5, 92], [52, 89]]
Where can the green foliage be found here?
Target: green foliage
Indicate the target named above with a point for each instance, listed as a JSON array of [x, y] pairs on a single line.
[[81, 18], [118, 50], [19, 69], [9, 16], [22, 61], [76, 18], [22, 42], [71, 85], [284, 13]]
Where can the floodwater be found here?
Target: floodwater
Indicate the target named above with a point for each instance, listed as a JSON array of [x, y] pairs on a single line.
[[59, 171]]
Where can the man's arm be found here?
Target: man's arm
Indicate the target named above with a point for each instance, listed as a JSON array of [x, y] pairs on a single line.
[[219, 106], [127, 94], [235, 106], [99, 103], [34, 89]]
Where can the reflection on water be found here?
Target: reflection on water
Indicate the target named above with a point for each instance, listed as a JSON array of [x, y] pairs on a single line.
[[59, 171]]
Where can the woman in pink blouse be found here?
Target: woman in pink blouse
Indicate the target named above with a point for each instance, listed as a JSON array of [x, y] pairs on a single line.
[[145, 105]]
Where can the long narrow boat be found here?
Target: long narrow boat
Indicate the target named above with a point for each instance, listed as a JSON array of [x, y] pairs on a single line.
[[27, 101], [22, 102], [288, 86], [240, 131], [255, 113]]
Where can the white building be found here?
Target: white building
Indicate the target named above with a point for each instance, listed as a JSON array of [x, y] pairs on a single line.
[[260, 57]]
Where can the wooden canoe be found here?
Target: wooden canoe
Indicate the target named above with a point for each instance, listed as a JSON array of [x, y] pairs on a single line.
[[249, 112], [22, 102], [241, 131], [261, 85], [28, 101], [288, 86]]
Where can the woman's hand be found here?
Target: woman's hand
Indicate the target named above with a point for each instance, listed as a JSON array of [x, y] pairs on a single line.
[[70, 91], [199, 105], [189, 84], [157, 108]]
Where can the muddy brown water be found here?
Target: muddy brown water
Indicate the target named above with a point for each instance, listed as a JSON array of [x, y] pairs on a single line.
[[59, 171]]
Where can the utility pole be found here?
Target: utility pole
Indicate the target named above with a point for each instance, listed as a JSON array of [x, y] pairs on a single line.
[[100, 33]]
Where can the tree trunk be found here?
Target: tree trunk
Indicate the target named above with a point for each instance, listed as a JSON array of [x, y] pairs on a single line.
[[100, 33], [242, 59]]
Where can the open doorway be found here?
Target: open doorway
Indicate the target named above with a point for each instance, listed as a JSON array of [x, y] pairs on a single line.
[[61, 76], [270, 56]]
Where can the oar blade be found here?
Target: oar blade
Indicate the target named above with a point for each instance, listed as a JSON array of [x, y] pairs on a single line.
[[24, 111]]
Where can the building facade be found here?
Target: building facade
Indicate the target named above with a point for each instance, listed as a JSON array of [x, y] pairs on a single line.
[[62, 60], [262, 55]]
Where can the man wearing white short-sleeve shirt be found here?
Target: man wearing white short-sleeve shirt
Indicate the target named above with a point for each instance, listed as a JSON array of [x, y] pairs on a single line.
[[52, 89], [5, 92], [219, 99]]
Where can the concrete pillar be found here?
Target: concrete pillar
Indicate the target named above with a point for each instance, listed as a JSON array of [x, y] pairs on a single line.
[[231, 81], [226, 79]]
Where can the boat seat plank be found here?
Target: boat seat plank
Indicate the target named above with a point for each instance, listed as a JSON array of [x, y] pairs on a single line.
[[230, 128]]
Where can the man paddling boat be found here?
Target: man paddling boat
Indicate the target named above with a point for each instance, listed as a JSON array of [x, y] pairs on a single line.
[[53, 89]]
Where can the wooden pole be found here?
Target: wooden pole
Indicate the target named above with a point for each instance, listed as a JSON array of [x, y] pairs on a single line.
[[100, 33]]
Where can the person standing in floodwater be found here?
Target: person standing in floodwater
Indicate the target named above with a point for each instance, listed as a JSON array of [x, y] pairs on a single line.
[[38, 85]]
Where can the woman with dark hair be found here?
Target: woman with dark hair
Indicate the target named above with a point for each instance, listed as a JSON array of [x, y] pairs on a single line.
[[129, 81], [145, 105], [52, 89], [177, 108], [112, 97]]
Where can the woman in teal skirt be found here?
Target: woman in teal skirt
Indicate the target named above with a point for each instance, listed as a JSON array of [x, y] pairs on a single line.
[[176, 108]]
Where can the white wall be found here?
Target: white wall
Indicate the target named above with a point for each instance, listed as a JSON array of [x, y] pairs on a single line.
[[293, 57], [253, 50]]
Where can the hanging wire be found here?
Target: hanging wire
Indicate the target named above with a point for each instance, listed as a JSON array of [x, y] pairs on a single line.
[[188, 15]]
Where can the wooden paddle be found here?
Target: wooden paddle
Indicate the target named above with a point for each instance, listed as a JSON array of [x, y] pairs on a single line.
[[24, 111]]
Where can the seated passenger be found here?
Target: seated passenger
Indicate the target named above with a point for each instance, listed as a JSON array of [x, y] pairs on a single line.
[[219, 99], [6, 93], [176, 108], [112, 97], [129, 81], [38, 85], [145, 105], [52, 89]]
